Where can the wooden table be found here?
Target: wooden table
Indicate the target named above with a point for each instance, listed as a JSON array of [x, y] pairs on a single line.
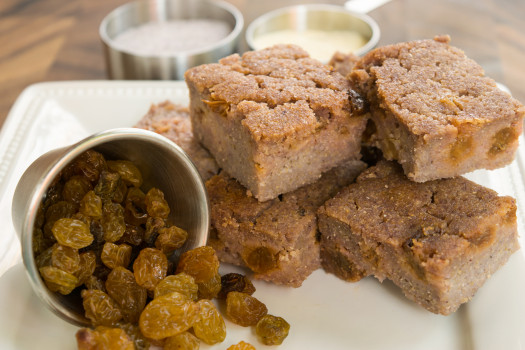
[[47, 40]]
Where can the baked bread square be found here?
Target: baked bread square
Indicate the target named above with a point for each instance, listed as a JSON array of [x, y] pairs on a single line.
[[434, 111], [277, 239], [438, 241], [275, 119]]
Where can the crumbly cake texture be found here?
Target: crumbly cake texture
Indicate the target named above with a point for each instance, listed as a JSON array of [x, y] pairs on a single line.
[[438, 241], [434, 111], [173, 121], [343, 62], [275, 119], [276, 239]]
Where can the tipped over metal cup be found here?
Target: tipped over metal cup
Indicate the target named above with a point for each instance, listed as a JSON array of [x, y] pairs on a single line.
[[163, 165]]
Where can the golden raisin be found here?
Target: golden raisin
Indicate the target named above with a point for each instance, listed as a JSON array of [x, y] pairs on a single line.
[[150, 267], [88, 262], [84, 218], [76, 188], [91, 205], [156, 205], [182, 341], [114, 255], [182, 283], [108, 183], [168, 315], [128, 172], [57, 280], [100, 308], [44, 258], [120, 193], [170, 239], [133, 332], [72, 233], [90, 164], [103, 338], [60, 210], [243, 309], [272, 330], [462, 148], [242, 346], [201, 263], [65, 258], [130, 297], [113, 221], [93, 282], [209, 325], [210, 289], [261, 260], [501, 140]]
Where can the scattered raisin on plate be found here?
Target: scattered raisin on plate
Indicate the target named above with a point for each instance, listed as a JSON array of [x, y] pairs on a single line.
[[209, 325], [243, 309], [272, 330]]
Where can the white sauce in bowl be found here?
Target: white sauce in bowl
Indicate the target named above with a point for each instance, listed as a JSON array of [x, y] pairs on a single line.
[[320, 44]]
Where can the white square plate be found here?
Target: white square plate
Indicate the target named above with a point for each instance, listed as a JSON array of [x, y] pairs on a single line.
[[325, 313]]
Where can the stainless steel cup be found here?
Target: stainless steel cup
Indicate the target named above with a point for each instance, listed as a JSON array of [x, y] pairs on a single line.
[[123, 64], [163, 165], [316, 17]]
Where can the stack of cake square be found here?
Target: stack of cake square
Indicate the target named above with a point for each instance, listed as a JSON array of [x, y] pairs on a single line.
[[286, 133]]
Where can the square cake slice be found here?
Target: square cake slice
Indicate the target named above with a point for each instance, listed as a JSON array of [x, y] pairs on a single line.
[[434, 111], [173, 121], [275, 119], [438, 241], [276, 239]]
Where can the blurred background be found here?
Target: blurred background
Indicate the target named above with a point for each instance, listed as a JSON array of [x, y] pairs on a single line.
[[51, 40]]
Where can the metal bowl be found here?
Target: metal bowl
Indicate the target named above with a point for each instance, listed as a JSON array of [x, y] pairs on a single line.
[[318, 17], [122, 64], [163, 165]]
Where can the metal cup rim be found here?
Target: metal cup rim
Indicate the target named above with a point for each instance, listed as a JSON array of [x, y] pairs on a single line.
[[231, 37], [374, 27]]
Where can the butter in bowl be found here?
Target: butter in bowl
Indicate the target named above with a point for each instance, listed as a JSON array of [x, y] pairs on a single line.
[[319, 29]]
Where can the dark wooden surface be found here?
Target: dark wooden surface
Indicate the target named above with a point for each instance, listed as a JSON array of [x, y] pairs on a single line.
[[49, 40]]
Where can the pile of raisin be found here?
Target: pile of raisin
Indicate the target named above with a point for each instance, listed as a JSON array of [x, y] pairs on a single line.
[[99, 232]]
